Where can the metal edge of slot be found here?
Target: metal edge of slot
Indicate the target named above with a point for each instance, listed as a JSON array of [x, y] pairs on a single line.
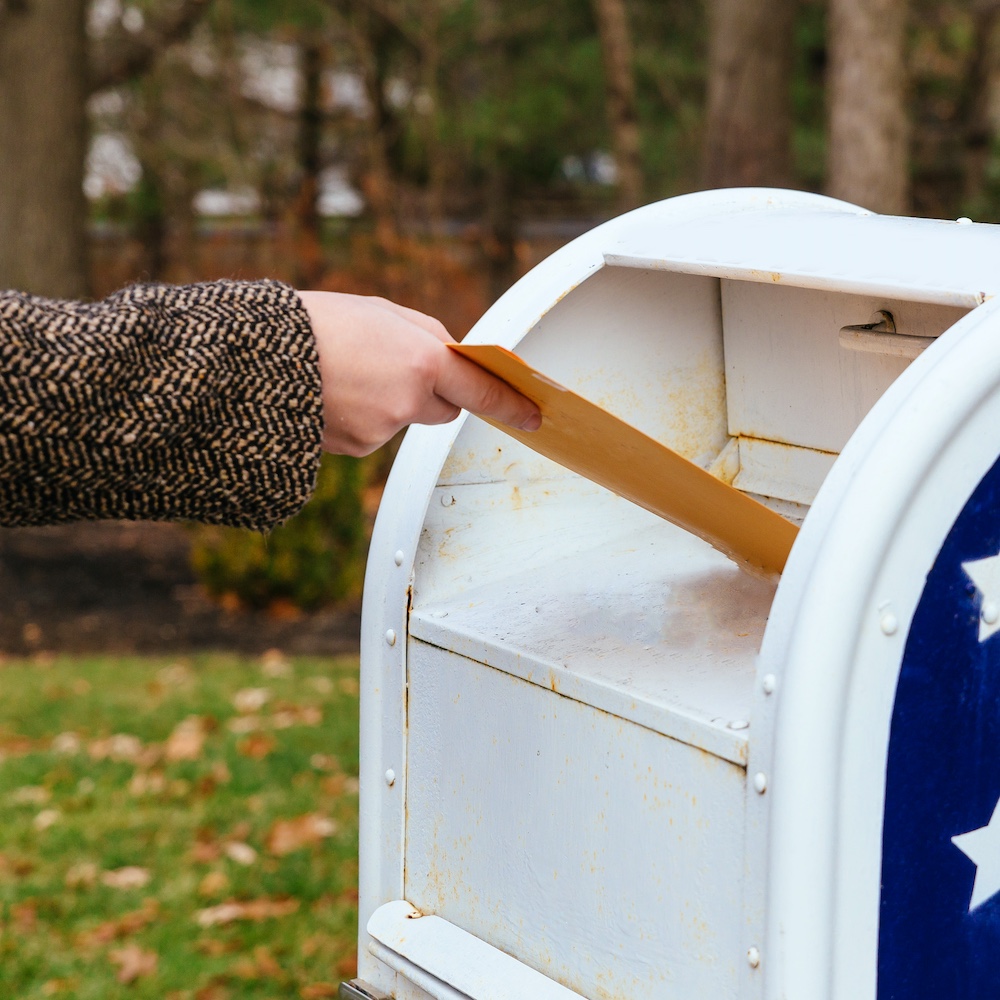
[[430, 984], [449, 963]]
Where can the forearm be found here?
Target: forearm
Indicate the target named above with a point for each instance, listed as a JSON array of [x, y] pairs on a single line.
[[199, 402]]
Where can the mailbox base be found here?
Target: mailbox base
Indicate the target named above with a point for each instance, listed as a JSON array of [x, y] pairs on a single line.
[[357, 990]]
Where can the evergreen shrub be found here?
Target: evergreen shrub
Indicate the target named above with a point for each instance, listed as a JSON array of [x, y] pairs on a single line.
[[314, 559]]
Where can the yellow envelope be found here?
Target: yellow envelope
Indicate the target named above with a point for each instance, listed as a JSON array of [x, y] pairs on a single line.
[[597, 445]]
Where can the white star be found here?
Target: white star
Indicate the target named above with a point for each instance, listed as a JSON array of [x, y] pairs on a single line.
[[985, 574], [982, 847]]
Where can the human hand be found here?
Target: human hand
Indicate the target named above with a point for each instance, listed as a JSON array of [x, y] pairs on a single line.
[[384, 366]]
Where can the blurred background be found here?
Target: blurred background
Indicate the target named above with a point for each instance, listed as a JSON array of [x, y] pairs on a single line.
[[178, 731], [430, 151]]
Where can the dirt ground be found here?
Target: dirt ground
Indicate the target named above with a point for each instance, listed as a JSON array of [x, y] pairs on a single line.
[[127, 587]]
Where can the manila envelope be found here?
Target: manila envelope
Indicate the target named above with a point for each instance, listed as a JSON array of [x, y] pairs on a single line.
[[595, 444]]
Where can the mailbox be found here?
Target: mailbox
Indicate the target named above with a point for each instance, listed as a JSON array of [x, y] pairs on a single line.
[[601, 760]]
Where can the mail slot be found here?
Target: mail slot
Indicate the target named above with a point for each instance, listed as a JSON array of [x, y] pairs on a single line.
[[602, 759]]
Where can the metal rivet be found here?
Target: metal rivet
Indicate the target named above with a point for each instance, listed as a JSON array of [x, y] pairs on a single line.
[[390, 777], [447, 500], [888, 623], [738, 724], [390, 637], [760, 782], [398, 557], [769, 683], [991, 613], [753, 956]]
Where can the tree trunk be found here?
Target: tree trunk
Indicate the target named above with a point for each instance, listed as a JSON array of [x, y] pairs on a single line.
[[309, 247], [980, 97], [43, 134], [619, 82], [749, 120], [371, 39], [499, 220], [868, 144]]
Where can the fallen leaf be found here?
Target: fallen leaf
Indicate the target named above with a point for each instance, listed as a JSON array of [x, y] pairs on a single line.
[[241, 830], [149, 756], [262, 965], [340, 784], [120, 747], [30, 795], [113, 930], [187, 740], [82, 875], [215, 947], [313, 944], [287, 835], [213, 884], [254, 909], [204, 852], [320, 684], [324, 762], [129, 877], [19, 866], [221, 773], [213, 991], [250, 700], [245, 724], [257, 746], [15, 746], [46, 818], [133, 962], [67, 743], [274, 663], [25, 915], [286, 715], [242, 854], [146, 783]]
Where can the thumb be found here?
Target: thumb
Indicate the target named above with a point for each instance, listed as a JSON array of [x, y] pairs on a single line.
[[465, 384]]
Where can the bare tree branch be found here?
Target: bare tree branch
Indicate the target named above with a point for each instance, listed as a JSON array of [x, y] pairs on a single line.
[[123, 55]]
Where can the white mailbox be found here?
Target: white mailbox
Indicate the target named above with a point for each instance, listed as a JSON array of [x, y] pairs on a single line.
[[601, 760]]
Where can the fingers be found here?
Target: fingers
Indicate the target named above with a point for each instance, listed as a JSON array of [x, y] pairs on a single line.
[[467, 385], [383, 366], [433, 326]]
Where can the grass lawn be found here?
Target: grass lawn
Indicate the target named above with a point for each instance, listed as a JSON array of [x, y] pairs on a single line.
[[178, 829]]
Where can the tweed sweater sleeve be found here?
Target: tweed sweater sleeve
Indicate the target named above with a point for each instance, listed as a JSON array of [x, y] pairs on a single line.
[[200, 402]]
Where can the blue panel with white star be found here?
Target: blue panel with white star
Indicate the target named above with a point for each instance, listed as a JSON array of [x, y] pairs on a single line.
[[939, 926]]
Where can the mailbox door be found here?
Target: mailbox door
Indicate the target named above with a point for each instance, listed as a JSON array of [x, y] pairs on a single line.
[[882, 667]]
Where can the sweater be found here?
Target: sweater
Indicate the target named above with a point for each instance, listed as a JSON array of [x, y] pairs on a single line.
[[199, 402]]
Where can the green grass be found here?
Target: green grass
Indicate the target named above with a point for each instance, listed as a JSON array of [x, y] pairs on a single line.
[[70, 813]]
